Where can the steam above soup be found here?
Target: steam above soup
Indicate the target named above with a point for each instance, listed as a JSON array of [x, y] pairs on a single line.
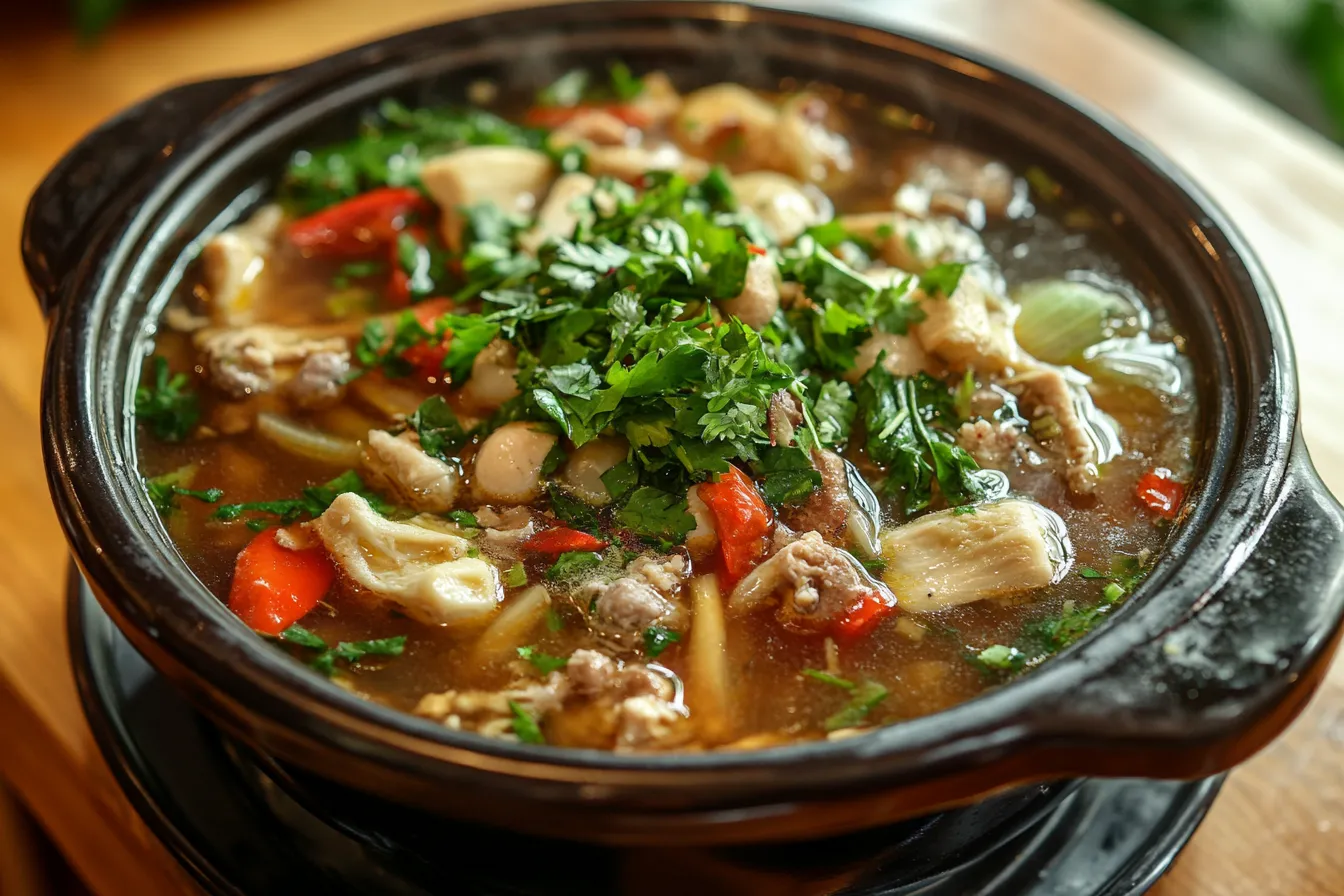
[[665, 422]]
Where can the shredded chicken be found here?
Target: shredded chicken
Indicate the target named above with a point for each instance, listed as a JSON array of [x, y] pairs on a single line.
[[416, 564], [759, 299], [510, 177], [970, 329], [950, 180], [914, 244], [231, 263], [399, 467], [244, 361], [594, 127], [952, 557], [779, 201], [641, 597], [320, 382], [1047, 391], [782, 416], [817, 582]]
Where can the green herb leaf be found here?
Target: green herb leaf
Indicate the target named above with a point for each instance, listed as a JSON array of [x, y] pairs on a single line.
[[300, 636], [515, 576], [543, 662], [441, 434], [865, 698], [655, 514], [554, 621], [657, 639], [572, 563], [942, 279], [623, 84], [524, 726], [464, 518], [566, 90], [311, 503], [165, 405], [827, 678], [166, 489], [787, 475]]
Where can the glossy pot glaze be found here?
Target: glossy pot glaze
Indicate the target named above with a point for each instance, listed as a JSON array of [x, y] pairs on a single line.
[[1218, 651]]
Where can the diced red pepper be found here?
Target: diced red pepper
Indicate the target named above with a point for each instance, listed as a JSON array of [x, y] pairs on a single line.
[[557, 116], [427, 359], [742, 519], [757, 250], [860, 619], [398, 292], [562, 540], [360, 225], [274, 587], [429, 311], [1160, 493]]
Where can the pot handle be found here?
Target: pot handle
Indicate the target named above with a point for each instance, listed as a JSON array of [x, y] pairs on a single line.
[[1197, 697], [72, 200]]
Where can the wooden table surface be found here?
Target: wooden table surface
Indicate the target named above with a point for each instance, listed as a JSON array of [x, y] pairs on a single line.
[[1278, 827]]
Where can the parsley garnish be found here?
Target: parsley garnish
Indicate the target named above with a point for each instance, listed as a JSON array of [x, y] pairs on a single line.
[[657, 639], [542, 662], [166, 406], [166, 489], [571, 563], [464, 518], [345, 651], [787, 475], [524, 726], [311, 502], [516, 575], [942, 279], [863, 700], [441, 435]]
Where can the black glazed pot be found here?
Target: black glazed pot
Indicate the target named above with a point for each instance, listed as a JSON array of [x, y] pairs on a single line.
[[1219, 650]]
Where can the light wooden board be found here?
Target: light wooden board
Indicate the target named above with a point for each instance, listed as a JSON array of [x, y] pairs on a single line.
[[1277, 827]]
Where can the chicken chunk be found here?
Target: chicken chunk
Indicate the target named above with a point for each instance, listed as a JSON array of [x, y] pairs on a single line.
[[511, 177], [827, 509], [953, 557], [399, 467], [807, 147], [658, 101], [506, 530], [904, 356], [630, 163], [914, 244], [244, 361], [231, 263], [704, 538], [417, 565], [630, 606], [1088, 437], [494, 376], [970, 329], [950, 180], [779, 201], [558, 216], [708, 114], [320, 382], [593, 127], [756, 305], [816, 582]]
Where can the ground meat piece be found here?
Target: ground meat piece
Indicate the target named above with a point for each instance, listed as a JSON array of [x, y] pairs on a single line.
[[817, 583], [783, 415], [631, 605], [650, 722], [993, 445], [320, 382], [243, 362], [662, 573], [827, 509], [589, 672], [399, 466]]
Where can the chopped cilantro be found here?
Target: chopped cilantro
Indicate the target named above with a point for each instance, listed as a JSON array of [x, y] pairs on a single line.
[[827, 678], [578, 514], [166, 489], [1001, 657], [787, 475], [441, 435], [464, 518], [656, 515], [624, 85], [524, 726], [942, 279], [657, 639], [863, 700], [165, 405], [297, 634], [571, 563], [354, 270], [515, 576], [345, 651], [554, 458], [311, 502], [542, 662]]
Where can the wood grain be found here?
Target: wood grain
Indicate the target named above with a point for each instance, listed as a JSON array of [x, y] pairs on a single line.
[[1276, 830]]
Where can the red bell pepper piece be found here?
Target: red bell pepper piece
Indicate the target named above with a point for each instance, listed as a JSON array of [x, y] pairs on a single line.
[[360, 225], [742, 519], [274, 587], [1160, 493], [561, 540], [860, 619], [757, 250], [427, 357], [557, 116]]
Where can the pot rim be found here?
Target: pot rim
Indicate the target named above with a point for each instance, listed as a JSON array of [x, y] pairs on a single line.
[[183, 626]]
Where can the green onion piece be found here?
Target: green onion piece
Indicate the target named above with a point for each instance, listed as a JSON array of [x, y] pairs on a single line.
[[1061, 319]]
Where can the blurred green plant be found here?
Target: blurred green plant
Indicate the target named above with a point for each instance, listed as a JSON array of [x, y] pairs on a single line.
[[1307, 35], [93, 17]]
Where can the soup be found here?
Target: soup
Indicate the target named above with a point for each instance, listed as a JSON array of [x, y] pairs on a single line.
[[638, 420]]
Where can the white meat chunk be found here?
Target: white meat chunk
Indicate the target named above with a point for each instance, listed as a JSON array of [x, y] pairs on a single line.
[[807, 148], [244, 361], [586, 465], [1087, 437], [703, 540], [490, 712], [817, 583], [658, 101], [508, 463], [904, 356], [231, 263], [630, 163], [915, 244], [950, 180], [511, 177], [780, 202], [416, 564], [398, 466], [494, 376], [998, 550], [558, 215], [709, 113], [992, 445], [320, 382], [593, 127], [505, 531], [970, 329], [756, 305]]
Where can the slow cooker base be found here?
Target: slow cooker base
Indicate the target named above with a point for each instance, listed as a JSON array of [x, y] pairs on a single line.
[[239, 824]]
